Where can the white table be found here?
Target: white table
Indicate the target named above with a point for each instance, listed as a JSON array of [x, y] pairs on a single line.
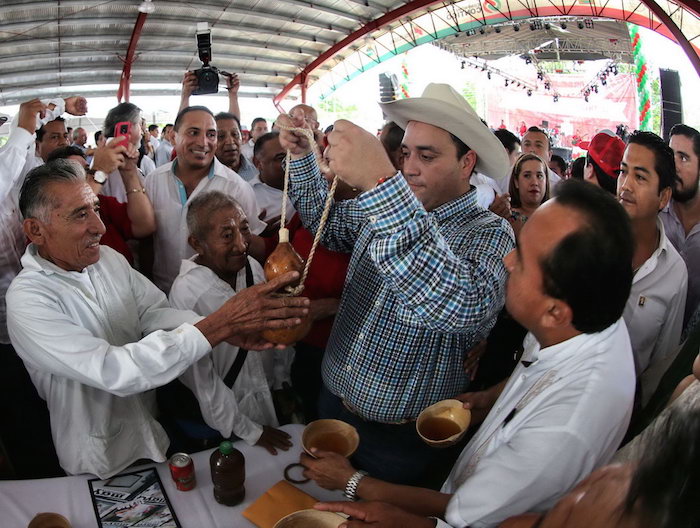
[[20, 500]]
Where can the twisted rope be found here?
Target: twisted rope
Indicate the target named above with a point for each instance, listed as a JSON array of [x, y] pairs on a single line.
[[295, 291]]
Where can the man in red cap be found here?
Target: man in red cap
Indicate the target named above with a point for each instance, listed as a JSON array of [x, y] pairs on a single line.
[[605, 152]]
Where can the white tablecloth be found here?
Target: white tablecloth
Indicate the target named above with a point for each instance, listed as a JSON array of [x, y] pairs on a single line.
[[20, 500]]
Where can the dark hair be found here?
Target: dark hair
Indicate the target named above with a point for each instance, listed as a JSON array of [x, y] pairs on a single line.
[[664, 161], [152, 127], [515, 172], [604, 180], [577, 168], [257, 120], [228, 115], [591, 268], [556, 158], [394, 136], [181, 115], [665, 487], [507, 139], [40, 133], [462, 147], [98, 134], [122, 112], [684, 130], [541, 131], [34, 202], [260, 143], [65, 152]]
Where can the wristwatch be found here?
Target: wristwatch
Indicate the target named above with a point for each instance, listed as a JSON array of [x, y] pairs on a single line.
[[100, 176], [351, 487]]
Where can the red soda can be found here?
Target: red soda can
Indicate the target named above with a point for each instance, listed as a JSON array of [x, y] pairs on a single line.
[[182, 471]]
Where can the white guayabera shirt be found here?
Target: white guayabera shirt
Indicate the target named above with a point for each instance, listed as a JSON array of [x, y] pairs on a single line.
[[556, 420]]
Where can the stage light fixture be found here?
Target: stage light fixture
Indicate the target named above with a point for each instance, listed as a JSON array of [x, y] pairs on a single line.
[[506, 83], [529, 93], [516, 27], [497, 29], [540, 76], [547, 86], [580, 24], [482, 30], [563, 25], [488, 74], [463, 64], [532, 26], [547, 25], [588, 23], [556, 98], [585, 98]]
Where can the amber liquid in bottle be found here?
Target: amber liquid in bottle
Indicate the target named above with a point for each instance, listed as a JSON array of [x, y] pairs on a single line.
[[228, 474]]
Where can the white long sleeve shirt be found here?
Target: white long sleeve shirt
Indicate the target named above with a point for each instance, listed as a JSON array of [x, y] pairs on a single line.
[[93, 343], [555, 421], [170, 203], [244, 409], [654, 313], [13, 169]]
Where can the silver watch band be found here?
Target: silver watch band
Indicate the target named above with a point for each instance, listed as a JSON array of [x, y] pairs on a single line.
[[351, 487]]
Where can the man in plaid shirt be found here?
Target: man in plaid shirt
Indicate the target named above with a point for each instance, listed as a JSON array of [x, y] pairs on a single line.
[[426, 278]]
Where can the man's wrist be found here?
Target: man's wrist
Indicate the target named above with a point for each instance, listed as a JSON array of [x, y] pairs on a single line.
[[352, 485]]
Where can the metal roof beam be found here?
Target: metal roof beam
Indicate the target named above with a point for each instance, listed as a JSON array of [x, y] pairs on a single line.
[[125, 81], [157, 39], [47, 57], [86, 74], [170, 22], [330, 10]]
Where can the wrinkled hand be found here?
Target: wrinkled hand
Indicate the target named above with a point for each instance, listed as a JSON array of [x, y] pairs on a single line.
[[479, 403], [257, 308], [76, 105], [296, 142], [501, 205], [233, 83], [377, 514], [329, 470], [322, 308], [471, 362], [109, 157], [272, 438], [28, 112], [356, 156], [189, 84]]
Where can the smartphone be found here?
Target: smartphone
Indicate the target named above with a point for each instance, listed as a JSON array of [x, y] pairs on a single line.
[[123, 128]]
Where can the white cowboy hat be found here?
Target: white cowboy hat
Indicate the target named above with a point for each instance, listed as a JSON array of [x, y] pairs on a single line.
[[441, 106]]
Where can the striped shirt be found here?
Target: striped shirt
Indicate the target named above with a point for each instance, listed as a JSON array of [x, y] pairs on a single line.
[[422, 289]]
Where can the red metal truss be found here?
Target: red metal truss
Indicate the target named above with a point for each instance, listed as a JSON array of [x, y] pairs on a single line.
[[125, 81], [391, 16]]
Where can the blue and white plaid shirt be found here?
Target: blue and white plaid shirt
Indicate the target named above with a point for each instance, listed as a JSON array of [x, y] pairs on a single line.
[[421, 290]]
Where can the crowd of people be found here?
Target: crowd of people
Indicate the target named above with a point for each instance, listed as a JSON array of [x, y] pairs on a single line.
[[558, 303]]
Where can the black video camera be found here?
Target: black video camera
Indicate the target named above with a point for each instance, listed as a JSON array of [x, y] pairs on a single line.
[[207, 75]]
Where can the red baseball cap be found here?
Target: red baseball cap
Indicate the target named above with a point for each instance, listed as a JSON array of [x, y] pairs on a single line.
[[606, 150]]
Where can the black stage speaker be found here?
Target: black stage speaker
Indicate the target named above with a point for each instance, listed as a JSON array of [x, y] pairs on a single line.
[[670, 100]]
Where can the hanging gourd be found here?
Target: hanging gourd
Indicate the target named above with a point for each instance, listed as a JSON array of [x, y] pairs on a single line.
[[284, 258]]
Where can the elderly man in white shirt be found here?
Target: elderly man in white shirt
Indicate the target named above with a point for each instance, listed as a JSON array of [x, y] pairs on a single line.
[[172, 187], [232, 392], [654, 311], [565, 408], [95, 335]]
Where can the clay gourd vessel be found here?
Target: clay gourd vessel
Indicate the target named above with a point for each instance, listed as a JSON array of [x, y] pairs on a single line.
[[282, 260]]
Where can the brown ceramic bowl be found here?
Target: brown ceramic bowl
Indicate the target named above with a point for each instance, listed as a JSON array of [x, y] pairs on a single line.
[[310, 519], [49, 520], [443, 423], [330, 435]]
